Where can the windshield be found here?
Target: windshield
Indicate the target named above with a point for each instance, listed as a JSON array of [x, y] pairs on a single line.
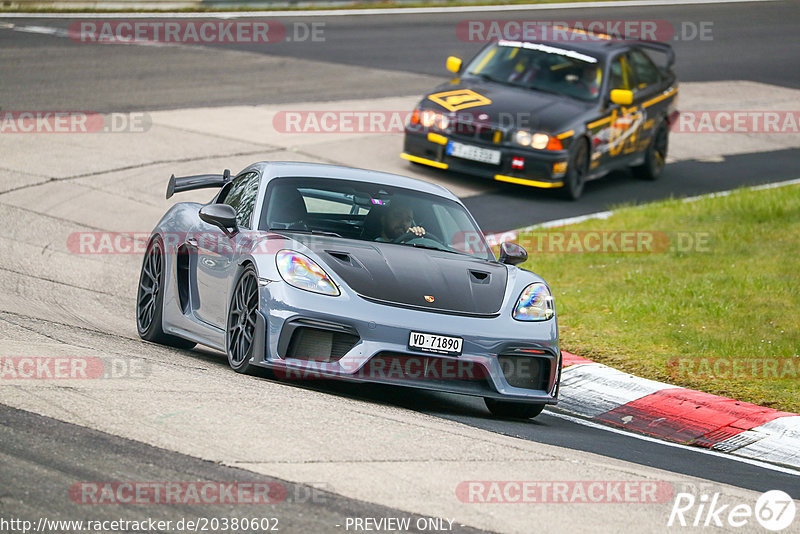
[[370, 212], [539, 67]]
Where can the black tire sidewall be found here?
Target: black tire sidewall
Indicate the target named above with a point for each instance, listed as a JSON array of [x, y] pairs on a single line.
[[573, 190], [513, 410], [245, 366], [153, 332]]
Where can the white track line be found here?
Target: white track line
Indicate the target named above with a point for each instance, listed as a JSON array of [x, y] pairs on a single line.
[[388, 11], [606, 214], [726, 455]]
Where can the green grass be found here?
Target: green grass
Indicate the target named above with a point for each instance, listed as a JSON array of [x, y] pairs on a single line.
[[19, 6], [651, 313]]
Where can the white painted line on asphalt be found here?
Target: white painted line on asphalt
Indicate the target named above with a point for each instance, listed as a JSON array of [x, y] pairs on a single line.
[[751, 188], [390, 11], [728, 456]]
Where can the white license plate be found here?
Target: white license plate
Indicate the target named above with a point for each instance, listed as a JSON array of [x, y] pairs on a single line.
[[435, 343], [475, 153]]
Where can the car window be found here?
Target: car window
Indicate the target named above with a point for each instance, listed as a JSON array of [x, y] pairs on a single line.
[[621, 76], [242, 197], [540, 67], [370, 212], [330, 202], [646, 72]]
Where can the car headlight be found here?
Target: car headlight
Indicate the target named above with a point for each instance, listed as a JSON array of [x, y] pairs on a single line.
[[428, 118], [535, 303], [302, 272], [522, 137], [539, 141]]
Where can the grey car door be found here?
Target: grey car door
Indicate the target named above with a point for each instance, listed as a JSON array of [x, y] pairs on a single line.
[[216, 253]]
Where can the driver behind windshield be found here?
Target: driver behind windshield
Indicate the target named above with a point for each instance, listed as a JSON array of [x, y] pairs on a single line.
[[397, 221]]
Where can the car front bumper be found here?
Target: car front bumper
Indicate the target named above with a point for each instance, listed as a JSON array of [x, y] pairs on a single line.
[[499, 354], [540, 168]]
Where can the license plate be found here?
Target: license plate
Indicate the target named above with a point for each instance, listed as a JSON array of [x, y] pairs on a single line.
[[475, 153], [435, 343]]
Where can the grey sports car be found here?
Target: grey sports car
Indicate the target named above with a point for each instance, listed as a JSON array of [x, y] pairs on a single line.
[[319, 271]]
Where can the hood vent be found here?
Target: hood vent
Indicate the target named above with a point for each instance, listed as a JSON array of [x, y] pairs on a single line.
[[479, 277]]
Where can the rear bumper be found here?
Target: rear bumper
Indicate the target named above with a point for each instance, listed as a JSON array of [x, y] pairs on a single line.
[[539, 168]]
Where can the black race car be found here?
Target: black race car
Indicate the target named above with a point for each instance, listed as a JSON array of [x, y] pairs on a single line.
[[550, 114]]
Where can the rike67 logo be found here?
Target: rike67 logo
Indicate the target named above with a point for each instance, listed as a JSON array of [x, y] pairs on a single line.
[[774, 510]]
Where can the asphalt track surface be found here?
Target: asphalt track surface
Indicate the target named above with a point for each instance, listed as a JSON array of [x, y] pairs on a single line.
[[42, 456], [751, 41]]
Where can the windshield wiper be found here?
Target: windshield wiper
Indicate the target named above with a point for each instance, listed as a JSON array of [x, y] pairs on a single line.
[[310, 232]]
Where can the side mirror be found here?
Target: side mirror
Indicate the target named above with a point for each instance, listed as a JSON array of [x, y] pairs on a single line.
[[454, 64], [221, 215], [512, 254], [623, 97]]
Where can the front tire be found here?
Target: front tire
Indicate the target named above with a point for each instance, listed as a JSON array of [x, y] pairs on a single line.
[[577, 170], [150, 299], [241, 324], [513, 410], [656, 156]]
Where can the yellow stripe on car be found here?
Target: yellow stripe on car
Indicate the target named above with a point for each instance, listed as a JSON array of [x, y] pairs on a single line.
[[436, 138], [659, 98], [599, 122], [424, 161], [525, 181]]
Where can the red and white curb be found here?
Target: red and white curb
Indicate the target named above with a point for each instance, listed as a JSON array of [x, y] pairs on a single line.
[[611, 397]]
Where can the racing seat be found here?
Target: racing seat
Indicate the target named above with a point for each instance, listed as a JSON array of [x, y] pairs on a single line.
[[288, 211], [372, 223]]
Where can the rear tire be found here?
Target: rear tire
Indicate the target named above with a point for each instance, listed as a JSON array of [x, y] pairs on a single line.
[[577, 169], [513, 410], [150, 299], [655, 157]]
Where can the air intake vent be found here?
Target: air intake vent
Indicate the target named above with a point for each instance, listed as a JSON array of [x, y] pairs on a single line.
[[479, 277], [315, 344], [525, 371], [343, 257]]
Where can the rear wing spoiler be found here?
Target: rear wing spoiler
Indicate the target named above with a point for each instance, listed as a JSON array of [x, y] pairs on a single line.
[[664, 48], [201, 181]]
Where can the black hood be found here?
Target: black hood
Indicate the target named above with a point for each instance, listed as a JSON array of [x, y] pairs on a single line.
[[404, 275], [516, 107]]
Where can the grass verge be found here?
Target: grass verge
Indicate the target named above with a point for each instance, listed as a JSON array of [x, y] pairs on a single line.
[[714, 304]]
